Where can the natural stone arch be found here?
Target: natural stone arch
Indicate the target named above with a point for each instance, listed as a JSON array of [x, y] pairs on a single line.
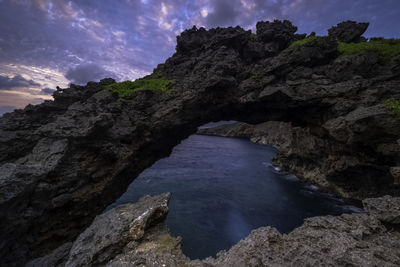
[[63, 162]]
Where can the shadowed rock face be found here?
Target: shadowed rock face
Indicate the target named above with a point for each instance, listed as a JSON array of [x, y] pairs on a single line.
[[62, 162]]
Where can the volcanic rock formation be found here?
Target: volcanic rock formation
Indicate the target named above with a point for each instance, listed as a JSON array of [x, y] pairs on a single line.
[[62, 162]]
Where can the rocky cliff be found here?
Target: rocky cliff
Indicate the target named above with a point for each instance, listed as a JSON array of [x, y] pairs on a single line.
[[62, 162], [301, 151]]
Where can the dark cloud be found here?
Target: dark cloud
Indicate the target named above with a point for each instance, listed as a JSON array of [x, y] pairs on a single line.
[[8, 83], [47, 91], [5, 109], [87, 72], [224, 13]]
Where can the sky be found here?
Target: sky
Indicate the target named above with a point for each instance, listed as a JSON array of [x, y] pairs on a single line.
[[44, 43]]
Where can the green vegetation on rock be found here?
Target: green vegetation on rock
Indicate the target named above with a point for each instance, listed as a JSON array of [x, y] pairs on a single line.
[[386, 48], [127, 88], [253, 35], [304, 41], [393, 106], [167, 241]]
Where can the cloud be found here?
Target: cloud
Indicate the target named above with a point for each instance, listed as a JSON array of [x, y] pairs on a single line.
[[5, 109], [8, 83], [87, 72], [47, 91], [224, 13]]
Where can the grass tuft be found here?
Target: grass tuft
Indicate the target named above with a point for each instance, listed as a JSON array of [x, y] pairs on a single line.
[[127, 88], [304, 41], [393, 106], [386, 48]]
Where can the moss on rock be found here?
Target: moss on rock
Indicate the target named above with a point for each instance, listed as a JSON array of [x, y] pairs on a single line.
[[304, 41], [386, 48], [127, 88], [393, 106]]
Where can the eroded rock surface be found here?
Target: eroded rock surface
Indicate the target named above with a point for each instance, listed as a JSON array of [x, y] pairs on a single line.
[[62, 162], [347, 240], [386, 209]]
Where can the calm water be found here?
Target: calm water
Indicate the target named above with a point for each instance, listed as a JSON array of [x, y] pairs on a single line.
[[222, 188]]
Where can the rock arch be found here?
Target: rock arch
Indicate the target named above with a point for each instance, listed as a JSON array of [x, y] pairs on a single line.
[[63, 161]]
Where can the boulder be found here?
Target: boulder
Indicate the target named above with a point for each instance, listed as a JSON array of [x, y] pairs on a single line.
[[111, 231]]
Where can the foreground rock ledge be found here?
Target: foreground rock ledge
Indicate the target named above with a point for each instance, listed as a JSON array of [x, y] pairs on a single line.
[[135, 235], [128, 235], [63, 161]]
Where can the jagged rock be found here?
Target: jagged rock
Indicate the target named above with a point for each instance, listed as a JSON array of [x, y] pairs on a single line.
[[276, 35], [99, 144], [318, 52], [349, 239], [130, 234], [278, 134], [348, 31], [357, 240]]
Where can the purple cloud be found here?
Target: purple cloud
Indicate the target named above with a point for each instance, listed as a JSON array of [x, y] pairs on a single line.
[[5, 109], [47, 91], [10, 83], [87, 72]]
